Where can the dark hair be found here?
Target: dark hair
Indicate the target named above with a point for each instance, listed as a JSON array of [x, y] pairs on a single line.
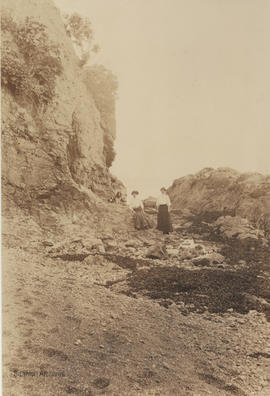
[[163, 189], [135, 192]]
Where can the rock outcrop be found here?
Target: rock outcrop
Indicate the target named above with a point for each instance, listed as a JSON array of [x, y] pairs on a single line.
[[150, 202], [224, 192], [53, 156]]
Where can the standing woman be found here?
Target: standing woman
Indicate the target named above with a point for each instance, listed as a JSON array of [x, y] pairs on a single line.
[[163, 205], [137, 207]]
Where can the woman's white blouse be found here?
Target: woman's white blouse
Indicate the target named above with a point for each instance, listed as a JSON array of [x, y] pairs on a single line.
[[163, 199], [135, 203]]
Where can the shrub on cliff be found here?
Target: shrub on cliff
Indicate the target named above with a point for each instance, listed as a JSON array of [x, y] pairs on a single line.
[[103, 86], [30, 61]]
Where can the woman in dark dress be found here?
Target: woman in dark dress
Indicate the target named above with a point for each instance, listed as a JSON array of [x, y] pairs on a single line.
[[164, 219]]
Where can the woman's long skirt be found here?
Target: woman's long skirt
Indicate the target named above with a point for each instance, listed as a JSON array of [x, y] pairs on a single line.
[[164, 219], [140, 220]]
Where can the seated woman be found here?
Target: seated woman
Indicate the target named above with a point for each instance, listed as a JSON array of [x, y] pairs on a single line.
[[136, 206], [164, 220]]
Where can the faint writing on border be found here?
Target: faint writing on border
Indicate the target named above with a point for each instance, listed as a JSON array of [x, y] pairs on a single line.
[[37, 373]]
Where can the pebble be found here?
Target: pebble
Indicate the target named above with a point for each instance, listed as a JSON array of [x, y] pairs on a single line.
[[47, 243], [101, 382]]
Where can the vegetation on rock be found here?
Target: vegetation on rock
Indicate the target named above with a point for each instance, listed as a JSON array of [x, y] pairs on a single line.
[[30, 61]]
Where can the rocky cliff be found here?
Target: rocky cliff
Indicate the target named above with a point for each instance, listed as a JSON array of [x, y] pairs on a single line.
[[52, 155], [224, 191]]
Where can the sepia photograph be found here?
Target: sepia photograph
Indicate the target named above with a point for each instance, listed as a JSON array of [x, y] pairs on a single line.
[[135, 200]]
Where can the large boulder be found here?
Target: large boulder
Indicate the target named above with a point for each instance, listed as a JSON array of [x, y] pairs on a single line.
[[212, 193], [150, 202]]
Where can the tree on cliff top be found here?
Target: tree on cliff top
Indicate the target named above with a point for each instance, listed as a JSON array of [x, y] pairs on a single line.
[[82, 36], [101, 82]]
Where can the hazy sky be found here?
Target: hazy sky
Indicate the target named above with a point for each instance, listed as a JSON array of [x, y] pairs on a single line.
[[194, 84]]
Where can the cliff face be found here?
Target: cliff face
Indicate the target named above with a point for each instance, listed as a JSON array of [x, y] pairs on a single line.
[[224, 191], [53, 156]]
